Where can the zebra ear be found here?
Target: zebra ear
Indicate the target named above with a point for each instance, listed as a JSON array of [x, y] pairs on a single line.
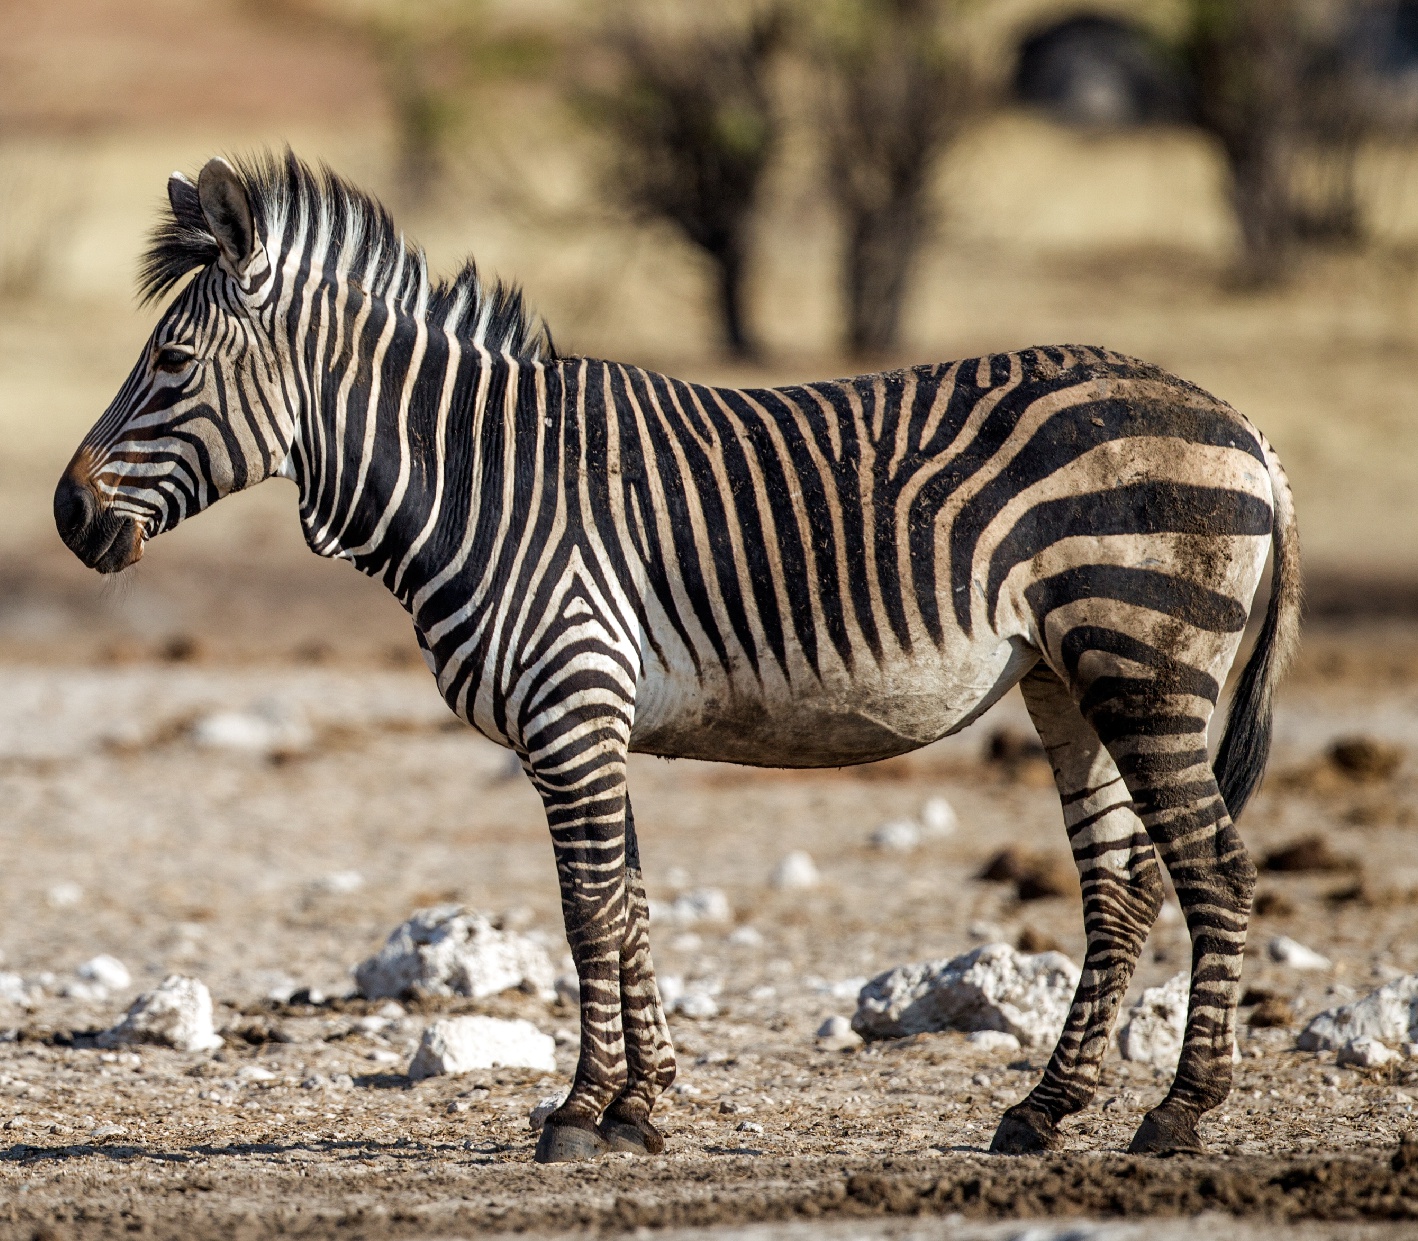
[[227, 211], [186, 206]]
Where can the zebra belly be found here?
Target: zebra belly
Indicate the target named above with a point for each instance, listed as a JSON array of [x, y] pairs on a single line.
[[832, 722]]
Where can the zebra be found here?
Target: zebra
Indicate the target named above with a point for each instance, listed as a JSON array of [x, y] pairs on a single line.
[[598, 559]]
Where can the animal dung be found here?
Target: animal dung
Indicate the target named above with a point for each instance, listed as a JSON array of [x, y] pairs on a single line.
[[1365, 758], [1307, 855], [1035, 876]]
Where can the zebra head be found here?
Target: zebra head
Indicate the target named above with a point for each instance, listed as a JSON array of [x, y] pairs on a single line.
[[205, 411]]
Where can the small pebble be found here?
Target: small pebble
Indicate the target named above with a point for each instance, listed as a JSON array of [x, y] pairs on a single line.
[[749, 1126], [746, 937], [897, 836], [545, 1107], [938, 819], [1286, 951], [458, 1105], [106, 971], [994, 1040], [796, 871], [837, 1031], [697, 1005], [104, 1132]]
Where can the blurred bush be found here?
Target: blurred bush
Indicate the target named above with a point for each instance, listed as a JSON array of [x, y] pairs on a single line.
[[896, 92], [694, 125]]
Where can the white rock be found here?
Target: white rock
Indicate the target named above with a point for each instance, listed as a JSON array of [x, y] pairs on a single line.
[[746, 937], [14, 991], [994, 1040], [938, 819], [988, 932], [697, 1004], [1410, 1050], [1154, 1027], [671, 988], [837, 1034], [64, 894], [545, 1107], [749, 1126], [107, 971], [1366, 1053], [461, 1044], [340, 882], [176, 1014], [687, 942], [89, 992], [795, 872], [897, 835], [701, 905], [254, 1073], [447, 950], [991, 988], [1389, 1014], [695, 1000], [1286, 951], [265, 728]]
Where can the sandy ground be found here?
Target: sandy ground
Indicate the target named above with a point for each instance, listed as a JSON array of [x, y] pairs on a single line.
[[122, 835]]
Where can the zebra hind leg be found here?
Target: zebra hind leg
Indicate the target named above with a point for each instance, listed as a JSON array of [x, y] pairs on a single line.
[[1155, 728], [1122, 892], [650, 1058]]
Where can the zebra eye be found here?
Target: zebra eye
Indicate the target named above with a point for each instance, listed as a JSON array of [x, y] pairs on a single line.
[[173, 359]]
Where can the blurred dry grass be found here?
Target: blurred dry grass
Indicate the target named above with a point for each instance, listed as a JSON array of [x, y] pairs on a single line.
[[1046, 235]]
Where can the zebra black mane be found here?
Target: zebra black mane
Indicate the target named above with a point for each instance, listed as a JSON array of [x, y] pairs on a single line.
[[362, 237]]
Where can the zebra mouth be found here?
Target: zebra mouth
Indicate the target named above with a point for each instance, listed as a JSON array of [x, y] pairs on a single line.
[[112, 545], [104, 541]]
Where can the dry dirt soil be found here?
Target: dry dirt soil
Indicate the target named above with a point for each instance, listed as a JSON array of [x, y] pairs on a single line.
[[122, 835]]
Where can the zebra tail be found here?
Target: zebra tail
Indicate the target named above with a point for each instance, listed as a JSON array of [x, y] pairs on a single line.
[[1245, 745]]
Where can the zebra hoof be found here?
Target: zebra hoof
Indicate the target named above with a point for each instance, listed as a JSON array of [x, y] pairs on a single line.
[[1167, 1131], [568, 1144], [632, 1137], [1025, 1130]]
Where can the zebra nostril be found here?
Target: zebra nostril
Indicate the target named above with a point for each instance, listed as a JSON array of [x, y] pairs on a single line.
[[73, 509]]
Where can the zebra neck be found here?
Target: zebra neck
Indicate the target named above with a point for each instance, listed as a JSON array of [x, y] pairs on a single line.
[[395, 480]]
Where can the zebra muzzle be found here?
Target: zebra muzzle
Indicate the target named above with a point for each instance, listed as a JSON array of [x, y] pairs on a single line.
[[103, 541]]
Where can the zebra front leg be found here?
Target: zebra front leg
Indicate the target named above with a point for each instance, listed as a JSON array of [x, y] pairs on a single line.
[[585, 803], [1122, 892], [650, 1057]]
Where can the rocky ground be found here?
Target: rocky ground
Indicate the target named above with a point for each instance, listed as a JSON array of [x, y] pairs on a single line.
[[263, 828]]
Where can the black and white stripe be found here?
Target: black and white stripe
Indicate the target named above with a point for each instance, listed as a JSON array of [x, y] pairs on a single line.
[[599, 559]]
